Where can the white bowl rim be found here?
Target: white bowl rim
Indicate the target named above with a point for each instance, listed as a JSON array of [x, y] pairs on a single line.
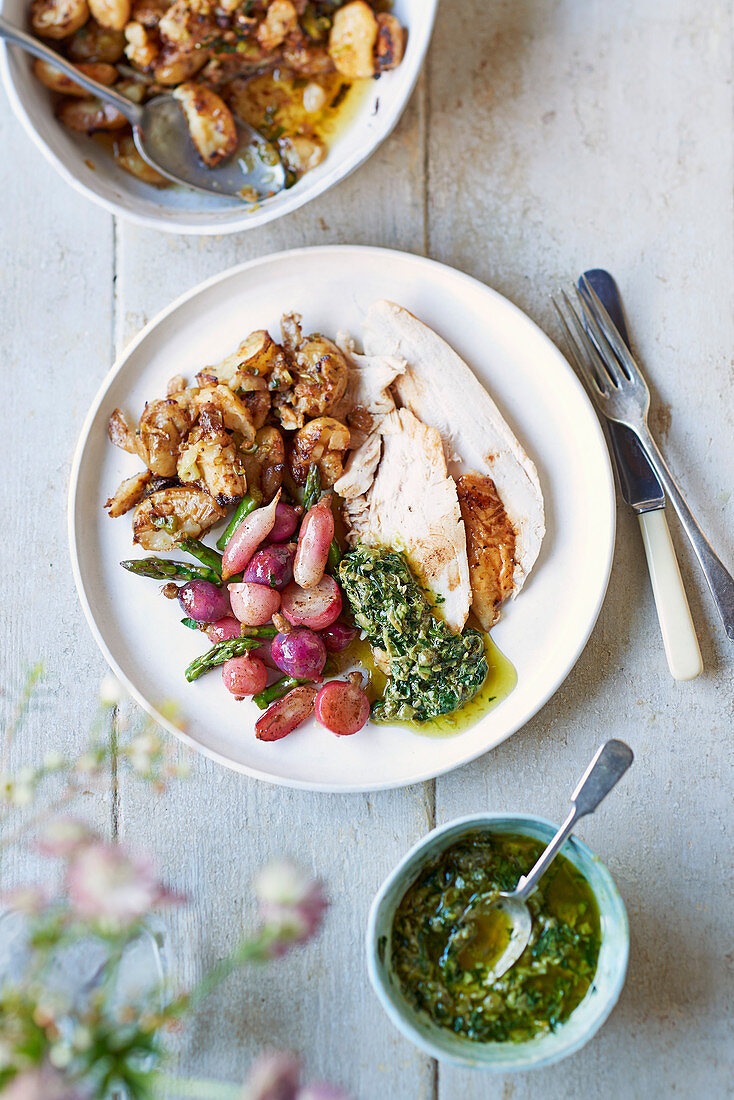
[[128, 349], [244, 220], [401, 1020]]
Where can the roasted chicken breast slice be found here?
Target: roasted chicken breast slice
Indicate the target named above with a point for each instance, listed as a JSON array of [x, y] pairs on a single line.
[[490, 546], [413, 506]]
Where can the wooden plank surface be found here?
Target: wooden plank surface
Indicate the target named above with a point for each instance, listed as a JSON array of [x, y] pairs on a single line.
[[592, 134]]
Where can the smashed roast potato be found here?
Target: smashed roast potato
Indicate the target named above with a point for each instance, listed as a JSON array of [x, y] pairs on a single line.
[[90, 116], [255, 57], [112, 14], [128, 157], [58, 18], [129, 493], [57, 81], [164, 518], [323, 441], [319, 375], [211, 459], [265, 464], [210, 122]]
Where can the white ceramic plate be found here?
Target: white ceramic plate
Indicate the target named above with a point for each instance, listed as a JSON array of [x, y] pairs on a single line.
[[91, 170], [542, 632]]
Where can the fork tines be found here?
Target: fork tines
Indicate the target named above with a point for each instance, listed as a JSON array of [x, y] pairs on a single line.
[[598, 351]]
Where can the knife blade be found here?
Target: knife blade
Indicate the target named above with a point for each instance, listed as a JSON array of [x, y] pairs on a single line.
[[637, 479]]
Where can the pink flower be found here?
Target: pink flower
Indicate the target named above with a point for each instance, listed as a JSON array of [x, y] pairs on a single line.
[[42, 1083], [292, 904], [273, 1075], [105, 882], [26, 899], [64, 836]]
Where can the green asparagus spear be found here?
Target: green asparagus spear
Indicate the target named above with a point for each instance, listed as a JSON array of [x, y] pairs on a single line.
[[220, 653], [335, 556], [248, 504], [163, 569], [281, 687], [203, 553], [312, 488]]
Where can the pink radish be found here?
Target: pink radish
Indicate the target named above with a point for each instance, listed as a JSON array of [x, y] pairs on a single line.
[[253, 604], [248, 536], [224, 630], [314, 540], [244, 675], [316, 607]]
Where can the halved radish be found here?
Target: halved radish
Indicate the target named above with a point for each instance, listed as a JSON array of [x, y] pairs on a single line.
[[315, 607]]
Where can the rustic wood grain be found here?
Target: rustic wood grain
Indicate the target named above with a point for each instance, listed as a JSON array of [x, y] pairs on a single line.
[[546, 136]]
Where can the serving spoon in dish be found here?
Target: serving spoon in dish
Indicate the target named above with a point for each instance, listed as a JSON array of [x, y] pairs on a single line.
[[253, 172], [495, 928]]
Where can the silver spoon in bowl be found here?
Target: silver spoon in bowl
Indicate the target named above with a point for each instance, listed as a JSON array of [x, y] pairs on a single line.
[[252, 173], [495, 927]]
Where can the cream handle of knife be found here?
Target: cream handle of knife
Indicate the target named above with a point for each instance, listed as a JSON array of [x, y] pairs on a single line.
[[674, 615]]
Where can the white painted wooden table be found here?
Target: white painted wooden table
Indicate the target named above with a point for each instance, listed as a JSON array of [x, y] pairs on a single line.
[[594, 134]]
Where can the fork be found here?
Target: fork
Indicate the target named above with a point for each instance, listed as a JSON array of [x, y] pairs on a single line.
[[620, 392]]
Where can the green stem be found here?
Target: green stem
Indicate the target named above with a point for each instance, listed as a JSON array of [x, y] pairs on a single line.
[[218, 654], [335, 556], [203, 553], [248, 504], [312, 488], [164, 569], [277, 690]]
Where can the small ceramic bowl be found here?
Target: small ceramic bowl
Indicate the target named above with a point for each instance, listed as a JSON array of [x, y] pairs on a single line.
[[91, 169], [583, 1022]]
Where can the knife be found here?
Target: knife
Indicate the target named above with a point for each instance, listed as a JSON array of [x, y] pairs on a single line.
[[642, 490]]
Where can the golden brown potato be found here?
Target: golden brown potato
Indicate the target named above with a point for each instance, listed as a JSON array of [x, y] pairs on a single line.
[[211, 459], [113, 14], [352, 40], [90, 115], [149, 12], [300, 153], [119, 433], [256, 358], [187, 23], [175, 65], [142, 47], [134, 90], [128, 157], [129, 493], [320, 375], [324, 441], [265, 466], [95, 43], [166, 517], [280, 20], [163, 427], [210, 122], [59, 82], [58, 18], [390, 44], [233, 411]]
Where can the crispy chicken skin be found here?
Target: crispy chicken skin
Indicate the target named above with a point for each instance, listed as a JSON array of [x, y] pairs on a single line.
[[490, 545]]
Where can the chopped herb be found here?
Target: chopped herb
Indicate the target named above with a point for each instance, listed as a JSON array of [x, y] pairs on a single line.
[[454, 988], [432, 671]]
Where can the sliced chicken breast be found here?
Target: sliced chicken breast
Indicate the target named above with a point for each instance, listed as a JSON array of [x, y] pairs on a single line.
[[504, 534], [412, 505]]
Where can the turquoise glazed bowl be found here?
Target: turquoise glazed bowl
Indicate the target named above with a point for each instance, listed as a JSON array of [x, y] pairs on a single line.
[[443, 1044]]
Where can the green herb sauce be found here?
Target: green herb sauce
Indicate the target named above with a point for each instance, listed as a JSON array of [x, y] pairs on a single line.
[[432, 670], [550, 978]]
